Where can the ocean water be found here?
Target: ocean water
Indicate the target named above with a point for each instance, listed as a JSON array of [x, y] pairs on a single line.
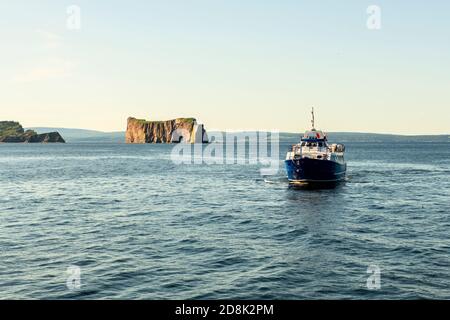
[[140, 227]]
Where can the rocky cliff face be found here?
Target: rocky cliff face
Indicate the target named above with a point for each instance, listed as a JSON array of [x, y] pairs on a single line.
[[13, 132], [171, 131]]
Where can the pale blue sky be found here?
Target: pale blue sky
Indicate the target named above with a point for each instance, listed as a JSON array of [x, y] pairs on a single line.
[[232, 64]]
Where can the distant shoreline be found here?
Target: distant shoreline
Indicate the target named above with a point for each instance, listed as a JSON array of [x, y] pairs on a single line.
[[93, 131], [94, 136]]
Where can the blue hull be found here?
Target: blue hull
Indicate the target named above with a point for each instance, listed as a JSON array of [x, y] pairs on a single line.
[[315, 171]]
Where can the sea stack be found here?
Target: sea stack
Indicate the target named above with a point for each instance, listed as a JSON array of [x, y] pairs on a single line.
[[13, 132], [185, 130]]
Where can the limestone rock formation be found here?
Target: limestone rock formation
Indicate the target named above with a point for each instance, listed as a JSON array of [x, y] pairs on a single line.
[[13, 132], [172, 131]]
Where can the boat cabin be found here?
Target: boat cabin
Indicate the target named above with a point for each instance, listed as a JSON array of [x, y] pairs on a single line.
[[314, 138], [314, 145], [314, 135]]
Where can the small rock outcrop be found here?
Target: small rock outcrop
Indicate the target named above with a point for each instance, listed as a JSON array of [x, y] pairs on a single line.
[[171, 131], [13, 132]]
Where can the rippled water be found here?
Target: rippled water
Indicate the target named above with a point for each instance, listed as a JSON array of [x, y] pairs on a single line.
[[140, 227]]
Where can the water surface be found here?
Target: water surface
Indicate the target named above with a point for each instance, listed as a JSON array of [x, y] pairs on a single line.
[[141, 227]]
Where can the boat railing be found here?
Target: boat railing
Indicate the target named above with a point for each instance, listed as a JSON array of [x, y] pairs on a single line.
[[316, 152], [298, 152]]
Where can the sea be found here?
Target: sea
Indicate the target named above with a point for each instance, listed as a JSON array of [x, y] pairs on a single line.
[[118, 221]]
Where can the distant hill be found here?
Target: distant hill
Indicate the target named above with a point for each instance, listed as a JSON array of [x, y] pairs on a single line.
[[379, 137], [343, 137], [92, 136], [83, 135]]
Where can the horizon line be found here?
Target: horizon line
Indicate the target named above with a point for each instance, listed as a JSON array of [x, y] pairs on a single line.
[[255, 130]]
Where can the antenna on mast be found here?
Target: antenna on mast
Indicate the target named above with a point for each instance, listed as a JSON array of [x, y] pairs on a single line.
[[312, 121]]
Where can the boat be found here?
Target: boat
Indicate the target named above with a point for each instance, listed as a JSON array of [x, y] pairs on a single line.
[[313, 161]]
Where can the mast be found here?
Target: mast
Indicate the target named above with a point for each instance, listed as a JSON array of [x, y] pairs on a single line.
[[312, 121]]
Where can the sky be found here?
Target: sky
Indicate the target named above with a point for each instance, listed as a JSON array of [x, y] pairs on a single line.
[[232, 64]]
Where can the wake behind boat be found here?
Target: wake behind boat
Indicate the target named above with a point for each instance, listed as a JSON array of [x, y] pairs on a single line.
[[314, 161]]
